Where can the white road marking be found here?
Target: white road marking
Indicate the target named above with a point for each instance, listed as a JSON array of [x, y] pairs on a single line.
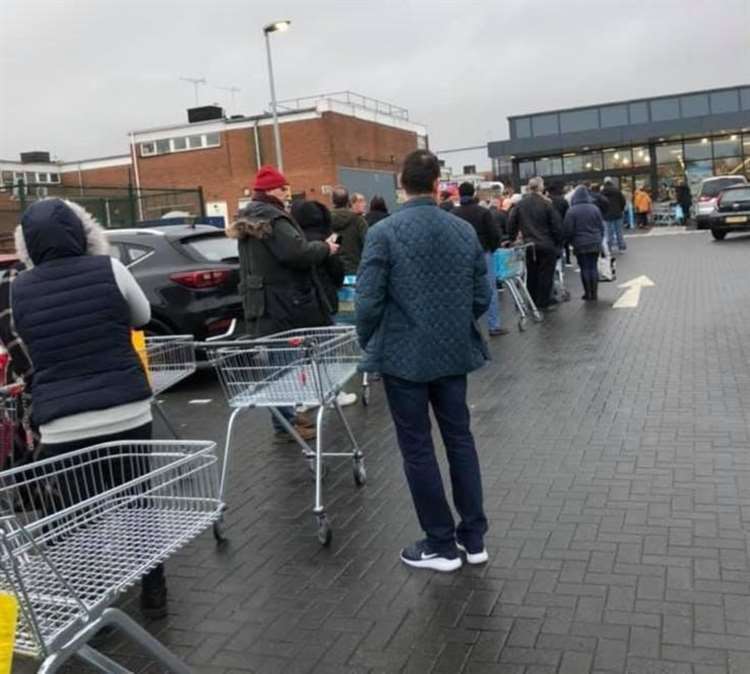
[[629, 299], [200, 401]]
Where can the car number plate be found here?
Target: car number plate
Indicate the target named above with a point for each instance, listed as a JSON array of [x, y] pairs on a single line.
[[732, 219]]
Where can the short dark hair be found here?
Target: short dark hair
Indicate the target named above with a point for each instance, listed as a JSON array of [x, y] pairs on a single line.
[[340, 196], [377, 203], [466, 190], [419, 172]]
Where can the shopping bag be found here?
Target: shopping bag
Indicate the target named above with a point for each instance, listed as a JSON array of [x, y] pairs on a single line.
[[605, 266], [8, 617], [138, 338]]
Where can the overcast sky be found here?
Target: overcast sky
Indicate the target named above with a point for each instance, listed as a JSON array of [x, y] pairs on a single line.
[[77, 75]]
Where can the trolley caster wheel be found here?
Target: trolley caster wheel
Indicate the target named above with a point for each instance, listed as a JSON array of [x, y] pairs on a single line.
[[522, 324], [324, 531], [360, 474], [219, 534], [365, 396], [538, 318]]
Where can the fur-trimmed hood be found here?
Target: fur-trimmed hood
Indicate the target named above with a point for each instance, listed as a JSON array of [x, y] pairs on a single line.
[[255, 221], [55, 228]]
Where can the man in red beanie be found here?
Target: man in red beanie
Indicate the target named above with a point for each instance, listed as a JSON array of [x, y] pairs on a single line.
[[278, 287]]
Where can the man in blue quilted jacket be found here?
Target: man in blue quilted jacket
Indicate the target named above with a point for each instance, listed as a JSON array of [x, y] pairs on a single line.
[[422, 285]]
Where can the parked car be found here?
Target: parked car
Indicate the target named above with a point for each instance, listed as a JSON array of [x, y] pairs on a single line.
[[732, 212], [189, 273], [709, 191]]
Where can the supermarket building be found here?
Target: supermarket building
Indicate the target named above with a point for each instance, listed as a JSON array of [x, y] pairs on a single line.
[[654, 142]]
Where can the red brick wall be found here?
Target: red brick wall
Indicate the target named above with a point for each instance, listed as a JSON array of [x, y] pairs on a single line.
[[114, 176]]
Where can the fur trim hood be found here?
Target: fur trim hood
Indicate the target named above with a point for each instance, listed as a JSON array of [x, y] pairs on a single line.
[[55, 228]]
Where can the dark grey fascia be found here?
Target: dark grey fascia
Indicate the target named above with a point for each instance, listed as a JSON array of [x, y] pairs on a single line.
[[620, 135]]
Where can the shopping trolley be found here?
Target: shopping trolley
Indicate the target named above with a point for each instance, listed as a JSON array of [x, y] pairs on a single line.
[[510, 269], [303, 367], [79, 529], [169, 360], [663, 214], [15, 426], [346, 316]]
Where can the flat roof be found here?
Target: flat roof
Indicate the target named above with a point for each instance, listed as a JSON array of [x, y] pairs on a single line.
[[641, 99]]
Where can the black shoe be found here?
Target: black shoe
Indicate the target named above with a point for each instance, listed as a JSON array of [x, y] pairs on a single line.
[[420, 555], [154, 602], [499, 332], [474, 554]]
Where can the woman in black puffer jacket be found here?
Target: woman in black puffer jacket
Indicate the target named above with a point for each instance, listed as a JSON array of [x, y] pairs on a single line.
[[315, 220], [584, 228]]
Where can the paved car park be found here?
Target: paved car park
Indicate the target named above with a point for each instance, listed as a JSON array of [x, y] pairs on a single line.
[[616, 454]]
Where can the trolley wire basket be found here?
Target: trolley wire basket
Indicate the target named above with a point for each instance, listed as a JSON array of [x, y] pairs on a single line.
[[510, 269], [347, 296], [170, 360], [78, 529], [302, 367]]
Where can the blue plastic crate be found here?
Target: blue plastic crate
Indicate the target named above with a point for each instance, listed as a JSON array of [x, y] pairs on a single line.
[[508, 262]]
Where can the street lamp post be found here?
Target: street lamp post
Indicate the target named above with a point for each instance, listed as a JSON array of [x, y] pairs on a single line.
[[279, 26]]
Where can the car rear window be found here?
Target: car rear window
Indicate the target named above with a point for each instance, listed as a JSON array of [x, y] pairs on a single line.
[[712, 187], [213, 248], [737, 194]]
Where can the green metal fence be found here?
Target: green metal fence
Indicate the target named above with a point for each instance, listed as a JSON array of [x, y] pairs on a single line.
[[113, 207]]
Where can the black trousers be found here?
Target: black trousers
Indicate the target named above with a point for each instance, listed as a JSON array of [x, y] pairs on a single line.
[[540, 265], [116, 472], [589, 272], [410, 404]]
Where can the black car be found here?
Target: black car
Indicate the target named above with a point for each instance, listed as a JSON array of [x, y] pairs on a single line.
[[189, 274], [732, 212]]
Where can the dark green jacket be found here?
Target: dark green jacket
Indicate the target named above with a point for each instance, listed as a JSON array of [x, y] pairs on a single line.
[[278, 286], [353, 229]]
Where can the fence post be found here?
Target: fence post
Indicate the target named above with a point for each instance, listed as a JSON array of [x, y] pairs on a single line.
[[202, 203], [22, 194], [131, 203]]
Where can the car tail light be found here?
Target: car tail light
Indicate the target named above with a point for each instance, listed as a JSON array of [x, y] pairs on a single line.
[[205, 278], [704, 198], [219, 326]]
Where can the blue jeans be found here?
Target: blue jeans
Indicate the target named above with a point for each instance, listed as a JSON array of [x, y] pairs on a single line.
[[614, 233], [493, 313], [410, 408]]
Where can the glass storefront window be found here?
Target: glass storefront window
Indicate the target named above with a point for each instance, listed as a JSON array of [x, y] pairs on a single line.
[[641, 156], [668, 153], [523, 127], [667, 176], [727, 146], [727, 166], [526, 169], [502, 166], [697, 149], [695, 172], [573, 163], [617, 158], [582, 163], [549, 166], [592, 161]]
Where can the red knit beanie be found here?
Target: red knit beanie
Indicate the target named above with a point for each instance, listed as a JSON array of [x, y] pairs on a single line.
[[268, 178]]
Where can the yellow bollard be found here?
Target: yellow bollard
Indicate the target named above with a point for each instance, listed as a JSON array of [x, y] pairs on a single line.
[[138, 338], [8, 617]]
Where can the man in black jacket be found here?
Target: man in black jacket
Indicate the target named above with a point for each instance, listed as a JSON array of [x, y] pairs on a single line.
[[278, 288], [489, 237], [539, 223], [613, 214]]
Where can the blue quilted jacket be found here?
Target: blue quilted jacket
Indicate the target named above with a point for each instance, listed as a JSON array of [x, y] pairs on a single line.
[[422, 284]]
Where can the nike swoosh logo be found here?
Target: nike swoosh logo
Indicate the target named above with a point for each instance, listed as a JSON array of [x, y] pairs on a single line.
[[432, 556]]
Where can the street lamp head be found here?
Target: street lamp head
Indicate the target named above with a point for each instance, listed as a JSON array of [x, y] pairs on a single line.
[[277, 26]]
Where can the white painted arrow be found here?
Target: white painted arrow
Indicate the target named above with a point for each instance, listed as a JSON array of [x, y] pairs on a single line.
[[632, 294]]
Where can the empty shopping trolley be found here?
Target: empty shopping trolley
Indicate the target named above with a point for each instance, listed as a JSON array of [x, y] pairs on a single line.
[[305, 367], [168, 360], [510, 269], [79, 529]]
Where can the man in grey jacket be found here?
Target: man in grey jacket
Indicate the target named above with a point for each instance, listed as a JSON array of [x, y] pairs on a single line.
[[422, 286]]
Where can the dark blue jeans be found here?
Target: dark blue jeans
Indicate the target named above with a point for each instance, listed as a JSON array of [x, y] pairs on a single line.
[[409, 403]]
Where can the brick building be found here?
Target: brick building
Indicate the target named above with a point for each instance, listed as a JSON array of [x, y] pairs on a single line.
[[329, 139]]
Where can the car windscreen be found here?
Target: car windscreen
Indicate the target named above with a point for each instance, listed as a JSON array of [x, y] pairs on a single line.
[[212, 247], [712, 187], [737, 194]]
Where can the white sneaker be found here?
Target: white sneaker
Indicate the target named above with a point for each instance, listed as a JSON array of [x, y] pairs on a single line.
[[345, 399], [474, 557]]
